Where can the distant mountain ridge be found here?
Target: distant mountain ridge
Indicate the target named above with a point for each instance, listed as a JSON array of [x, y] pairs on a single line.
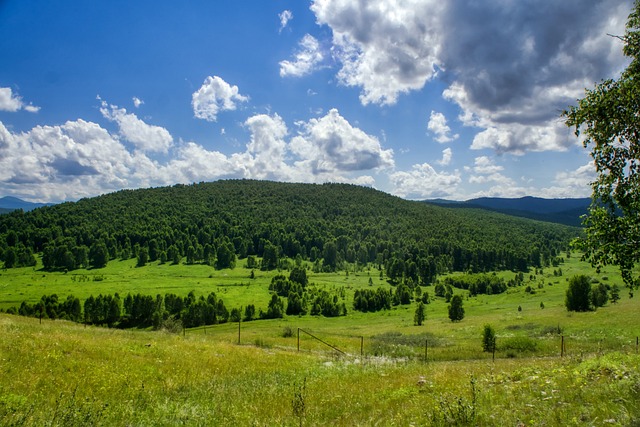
[[562, 211], [9, 203]]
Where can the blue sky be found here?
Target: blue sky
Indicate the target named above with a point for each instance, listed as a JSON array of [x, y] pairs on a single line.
[[418, 98]]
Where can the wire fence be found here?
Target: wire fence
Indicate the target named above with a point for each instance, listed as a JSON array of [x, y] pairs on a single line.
[[426, 347]]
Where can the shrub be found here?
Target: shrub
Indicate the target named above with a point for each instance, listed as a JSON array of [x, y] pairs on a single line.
[[578, 294]]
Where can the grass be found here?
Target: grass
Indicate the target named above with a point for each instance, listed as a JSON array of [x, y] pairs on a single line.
[[59, 373]]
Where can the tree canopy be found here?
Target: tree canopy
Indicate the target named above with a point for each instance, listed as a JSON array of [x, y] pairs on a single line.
[[329, 225], [608, 118]]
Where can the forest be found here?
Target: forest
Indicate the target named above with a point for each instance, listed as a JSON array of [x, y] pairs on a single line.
[[269, 224]]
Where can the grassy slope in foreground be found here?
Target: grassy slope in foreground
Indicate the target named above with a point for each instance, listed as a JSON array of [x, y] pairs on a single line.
[[59, 373]]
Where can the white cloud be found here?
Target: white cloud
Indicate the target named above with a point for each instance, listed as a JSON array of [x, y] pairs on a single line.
[[285, 17], [424, 182], [447, 154], [266, 152], [438, 125], [215, 95], [386, 48], [145, 137], [513, 67], [330, 145], [11, 102], [137, 102], [308, 56]]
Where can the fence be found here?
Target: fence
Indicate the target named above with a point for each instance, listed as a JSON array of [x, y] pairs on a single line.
[[424, 347]]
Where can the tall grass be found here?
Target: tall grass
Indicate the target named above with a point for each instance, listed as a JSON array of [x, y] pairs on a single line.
[[60, 374]]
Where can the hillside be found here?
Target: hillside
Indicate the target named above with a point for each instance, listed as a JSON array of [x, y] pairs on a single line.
[[215, 223], [561, 211]]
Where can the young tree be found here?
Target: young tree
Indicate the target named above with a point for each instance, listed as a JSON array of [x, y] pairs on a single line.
[[578, 296], [419, 316], [456, 311], [608, 119], [615, 294], [488, 339]]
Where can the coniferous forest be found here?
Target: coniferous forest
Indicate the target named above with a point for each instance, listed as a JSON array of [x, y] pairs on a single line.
[[267, 223]]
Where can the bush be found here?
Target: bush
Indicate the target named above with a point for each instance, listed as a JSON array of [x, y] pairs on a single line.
[[578, 297], [519, 344]]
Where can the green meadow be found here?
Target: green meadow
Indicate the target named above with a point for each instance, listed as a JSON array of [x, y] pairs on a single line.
[[359, 369]]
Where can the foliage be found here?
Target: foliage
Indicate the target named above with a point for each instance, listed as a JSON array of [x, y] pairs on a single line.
[[330, 225], [420, 315], [456, 311], [578, 296], [599, 295], [607, 118], [478, 283], [488, 339]]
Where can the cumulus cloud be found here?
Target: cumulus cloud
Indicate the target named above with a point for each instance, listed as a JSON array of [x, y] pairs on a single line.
[[424, 182], [11, 102], [485, 171], [137, 102], [214, 96], [307, 58], [145, 137], [285, 16], [512, 66], [80, 158], [386, 48], [447, 154], [331, 144], [438, 126]]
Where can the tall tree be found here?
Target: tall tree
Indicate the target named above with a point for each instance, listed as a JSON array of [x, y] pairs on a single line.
[[607, 118], [456, 311]]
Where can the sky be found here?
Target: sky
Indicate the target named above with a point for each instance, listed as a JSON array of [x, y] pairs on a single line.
[[422, 99]]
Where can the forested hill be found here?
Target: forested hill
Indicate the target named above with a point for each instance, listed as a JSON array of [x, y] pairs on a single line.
[[328, 224]]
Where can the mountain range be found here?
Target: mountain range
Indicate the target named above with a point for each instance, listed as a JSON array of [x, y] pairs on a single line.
[[562, 211], [9, 203]]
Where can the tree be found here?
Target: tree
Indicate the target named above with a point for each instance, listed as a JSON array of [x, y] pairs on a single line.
[[143, 257], [615, 294], [607, 117], [419, 316], [578, 296], [488, 339], [456, 311], [599, 295]]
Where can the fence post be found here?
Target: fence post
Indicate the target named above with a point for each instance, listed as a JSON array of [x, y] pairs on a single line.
[[238, 332], [562, 347], [426, 350], [361, 346], [636, 345], [298, 339]]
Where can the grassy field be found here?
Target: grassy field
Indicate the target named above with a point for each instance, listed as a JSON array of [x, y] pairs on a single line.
[[59, 373]]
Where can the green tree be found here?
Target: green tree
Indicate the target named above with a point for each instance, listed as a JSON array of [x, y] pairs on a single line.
[[456, 311], [143, 256], [488, 339], [607, 118], [615, 294], [419, 315], [599, 295], [578, 296]]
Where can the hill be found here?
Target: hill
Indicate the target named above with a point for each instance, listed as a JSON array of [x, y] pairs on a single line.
[[329, 224], [561, 211], [8, 204]]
